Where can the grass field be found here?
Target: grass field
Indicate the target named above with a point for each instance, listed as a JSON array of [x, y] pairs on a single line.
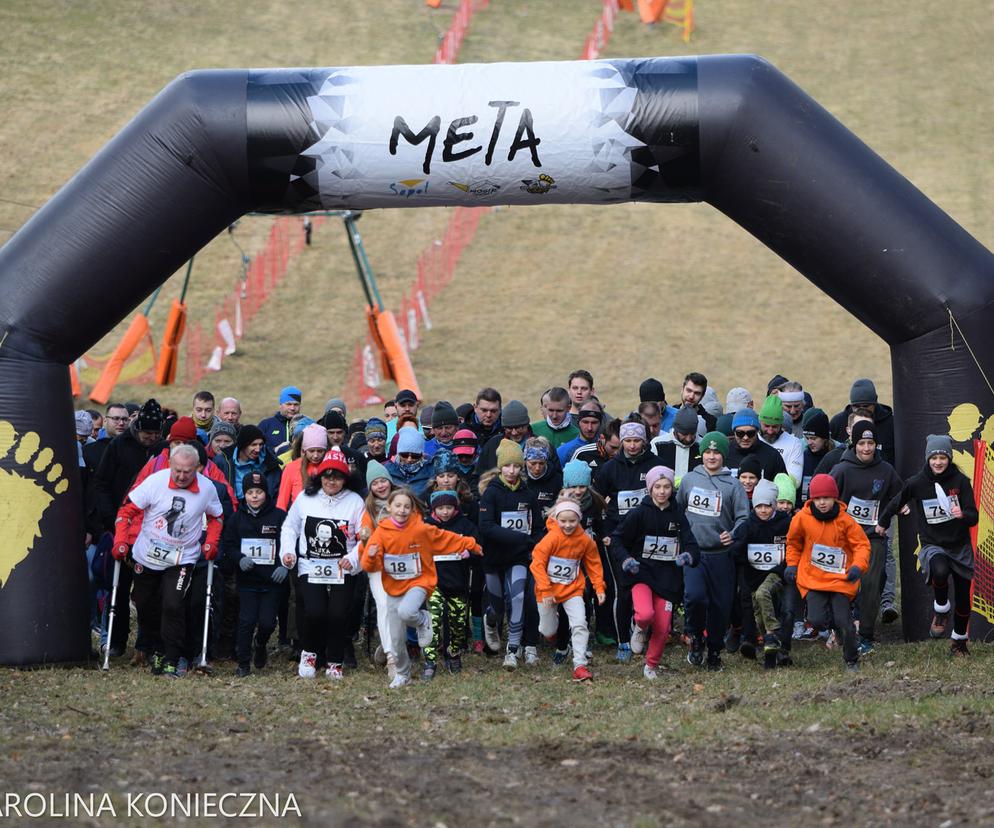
[[571, 278], [627, 291]]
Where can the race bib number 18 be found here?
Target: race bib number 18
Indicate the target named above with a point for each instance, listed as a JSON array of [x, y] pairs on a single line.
[[402, 567]]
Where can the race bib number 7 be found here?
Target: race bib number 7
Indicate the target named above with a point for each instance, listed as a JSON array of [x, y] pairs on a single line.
[[829, 559]]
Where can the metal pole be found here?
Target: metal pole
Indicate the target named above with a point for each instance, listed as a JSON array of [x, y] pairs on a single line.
[[113, 612]]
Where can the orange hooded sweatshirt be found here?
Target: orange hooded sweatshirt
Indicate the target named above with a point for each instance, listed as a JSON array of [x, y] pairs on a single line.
[[575, 547], [842, 532], [415, 537]]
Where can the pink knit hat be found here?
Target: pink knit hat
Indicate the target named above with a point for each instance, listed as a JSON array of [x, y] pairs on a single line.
[[315, 436]]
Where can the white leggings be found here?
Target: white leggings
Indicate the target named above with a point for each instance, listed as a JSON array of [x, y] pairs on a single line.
[[401, 612], [548, 624], [380, 599]]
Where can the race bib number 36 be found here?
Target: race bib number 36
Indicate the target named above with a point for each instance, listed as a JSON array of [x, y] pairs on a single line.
[[563, 570], [402, 567], [765, 556], [327, 572], [829, 559], [705, 502]]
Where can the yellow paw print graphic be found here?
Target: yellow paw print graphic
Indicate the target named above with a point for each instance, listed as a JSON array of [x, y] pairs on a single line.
[[25, 493]]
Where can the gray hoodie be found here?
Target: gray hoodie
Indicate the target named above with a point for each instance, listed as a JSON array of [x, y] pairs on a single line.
[[697, 496]]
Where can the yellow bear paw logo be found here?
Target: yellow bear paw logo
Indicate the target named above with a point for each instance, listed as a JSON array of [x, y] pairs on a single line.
[[26, 491]]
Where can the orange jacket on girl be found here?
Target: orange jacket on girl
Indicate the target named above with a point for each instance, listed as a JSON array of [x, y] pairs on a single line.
[[823, 551], [556, 561], [291, 484], [406, 554]]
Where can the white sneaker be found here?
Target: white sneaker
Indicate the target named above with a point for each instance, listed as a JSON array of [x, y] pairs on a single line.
[[391, 666], [379, 655], [399, 681], [308, 664], [798, 630], [334, 672], [649, 672], [638, 640], [531, 656], [511, 661], [491, 635], [426, 631]]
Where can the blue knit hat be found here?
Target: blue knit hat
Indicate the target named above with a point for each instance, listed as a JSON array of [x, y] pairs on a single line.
[[410, 441], [576, 473], [745, 418]]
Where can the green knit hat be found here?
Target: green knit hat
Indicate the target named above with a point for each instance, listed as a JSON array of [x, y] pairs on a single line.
[[508, 453], [786, 488], [772, 411], [374, 471], [715, 441]]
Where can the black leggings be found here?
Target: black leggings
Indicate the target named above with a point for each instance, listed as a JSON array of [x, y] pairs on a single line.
[[326, 618], [940, 571]]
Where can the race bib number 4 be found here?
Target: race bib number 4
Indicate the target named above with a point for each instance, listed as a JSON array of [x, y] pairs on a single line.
[[563, 570], [934, 513], [657, 548], [864, 511], [765, 556], [260, 550], [519, 521], [629, 499], [327, 572], [829, 559], [165, 554], [402, 567], [705, 502]]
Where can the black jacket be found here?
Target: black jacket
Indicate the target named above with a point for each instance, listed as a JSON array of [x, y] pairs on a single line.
[[770, 460], [875, 482], [243, 526], [623, 474], [453, 576], [647, 520], [225, 461], [499, 506], [123, 458], [546, 489], [756, 532], [945, 531]]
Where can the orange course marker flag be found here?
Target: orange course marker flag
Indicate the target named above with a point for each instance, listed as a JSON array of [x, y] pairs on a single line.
[[433, 4], [165, 368], [626, 5], [74, 381], [137, 331], [651, 10], [396, 361]]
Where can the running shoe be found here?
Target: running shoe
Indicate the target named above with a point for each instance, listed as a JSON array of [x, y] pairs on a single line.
[[582, 673], [624, 654], [182, 667], [243, 671], [695, 655], [425, 630], [865, 647], [559, 657], [940, 623], [649, 672], [605, 640], [531, 656], [169, 670], [454, 664], [428, 673], [638, 639], [399, 681], [889, 614], [334, 672], [714, 663], [511, 660], [158, 663], [958, 647], [308, 665], [852, 666], [490, 632]]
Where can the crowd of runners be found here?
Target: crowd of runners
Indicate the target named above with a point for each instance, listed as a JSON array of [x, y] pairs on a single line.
[[442, 530]]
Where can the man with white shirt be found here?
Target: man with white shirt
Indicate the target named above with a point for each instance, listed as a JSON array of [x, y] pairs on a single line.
[[168, 509], [772, 433]]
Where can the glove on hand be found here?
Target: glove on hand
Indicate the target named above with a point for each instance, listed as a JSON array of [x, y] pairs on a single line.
[[630, 565], [684, 559], [854, 573], [245, 564], [790, 574], [210, 551], [279, 574], [120, 551]]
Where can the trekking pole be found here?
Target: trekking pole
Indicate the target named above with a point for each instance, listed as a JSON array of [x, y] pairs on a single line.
[[112, 613], [207, 613]]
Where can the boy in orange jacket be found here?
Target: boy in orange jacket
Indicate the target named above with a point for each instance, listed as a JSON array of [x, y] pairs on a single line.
[[555, 566], [827, 554]]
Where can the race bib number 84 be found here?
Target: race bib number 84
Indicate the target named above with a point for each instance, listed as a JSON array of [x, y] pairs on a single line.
[[705, 502]]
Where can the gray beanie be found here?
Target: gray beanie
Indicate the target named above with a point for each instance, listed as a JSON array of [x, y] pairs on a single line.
[[336, 402], [221, 427], [514, 414], [84, 424], [711, 402], [938, 444], [765, 492], [444, 414], [685, 420], [862, 391]]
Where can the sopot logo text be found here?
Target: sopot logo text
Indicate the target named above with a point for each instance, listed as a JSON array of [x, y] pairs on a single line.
[[410, 187]]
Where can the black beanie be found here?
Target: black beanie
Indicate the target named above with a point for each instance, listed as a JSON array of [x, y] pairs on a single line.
[[254, 481], [651, 390], [248, 434], [334, 419], [465, 412], [149, 417], [815, 423], [443, 414], [750, 463], [863, 430], [775, 383]]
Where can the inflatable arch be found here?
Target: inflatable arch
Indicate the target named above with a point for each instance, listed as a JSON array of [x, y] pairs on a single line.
[[729, 130]]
